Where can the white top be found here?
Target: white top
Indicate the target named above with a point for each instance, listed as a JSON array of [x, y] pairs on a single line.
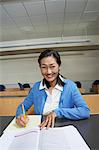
[[53, 98]]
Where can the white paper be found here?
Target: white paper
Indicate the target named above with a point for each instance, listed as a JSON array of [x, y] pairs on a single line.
[[34, 121], [27, 140], [53, 140], [62, 138], [6, 140], [75, 140], [24, 140]]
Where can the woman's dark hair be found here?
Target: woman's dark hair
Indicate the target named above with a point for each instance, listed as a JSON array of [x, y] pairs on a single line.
[[56, 55], [96, 82], [48, 53]]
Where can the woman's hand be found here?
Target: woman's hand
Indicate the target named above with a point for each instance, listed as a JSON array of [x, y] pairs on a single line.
[[22, 121], [49, 121]]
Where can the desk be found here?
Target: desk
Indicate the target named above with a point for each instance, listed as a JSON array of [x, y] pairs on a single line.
[[14, 93], [4, 121], [89, 128], [8, 105], [93, 102]]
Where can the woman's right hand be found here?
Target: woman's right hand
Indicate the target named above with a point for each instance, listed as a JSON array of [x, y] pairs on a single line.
[[22, 121]]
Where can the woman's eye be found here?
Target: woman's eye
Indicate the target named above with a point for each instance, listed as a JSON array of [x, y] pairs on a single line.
[[43, 67], [53, 67]]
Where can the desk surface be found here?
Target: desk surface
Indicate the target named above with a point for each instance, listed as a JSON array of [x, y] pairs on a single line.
[[89, 128]]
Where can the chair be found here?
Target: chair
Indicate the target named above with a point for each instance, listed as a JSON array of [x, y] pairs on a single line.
[[26, 85], [2, 87], [79, 86], [21, 86]]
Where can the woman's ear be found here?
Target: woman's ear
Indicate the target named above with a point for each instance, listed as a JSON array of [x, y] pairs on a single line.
[[59, 69]]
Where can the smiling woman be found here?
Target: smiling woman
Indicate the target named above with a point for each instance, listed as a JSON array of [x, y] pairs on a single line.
[[49, 63], [54, 96]]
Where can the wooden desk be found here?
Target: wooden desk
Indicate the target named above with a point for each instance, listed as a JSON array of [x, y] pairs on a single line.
[[16, 92], [8, 105], [93, 102], [10, 99]]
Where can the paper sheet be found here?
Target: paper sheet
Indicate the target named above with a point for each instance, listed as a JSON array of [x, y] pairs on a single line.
[[6, 140], [27, 140], [62, 138], [34, 120], [23, 140]]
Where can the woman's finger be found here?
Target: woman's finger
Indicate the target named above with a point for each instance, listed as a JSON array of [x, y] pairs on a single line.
[[53, 121], [21, 121], [49, 122], [44, 123]]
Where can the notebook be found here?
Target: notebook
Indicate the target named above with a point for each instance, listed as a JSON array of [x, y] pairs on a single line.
[[59, 138]]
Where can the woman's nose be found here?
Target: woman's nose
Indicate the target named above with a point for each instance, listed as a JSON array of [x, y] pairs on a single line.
[[49, 71]]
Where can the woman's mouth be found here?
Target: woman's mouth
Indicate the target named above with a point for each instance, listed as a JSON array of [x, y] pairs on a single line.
[[49, 76]]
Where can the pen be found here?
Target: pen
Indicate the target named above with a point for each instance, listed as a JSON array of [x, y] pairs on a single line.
[[23, 110]]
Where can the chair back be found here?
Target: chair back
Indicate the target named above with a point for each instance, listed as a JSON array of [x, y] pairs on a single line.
[[2, 87], [21, 86]]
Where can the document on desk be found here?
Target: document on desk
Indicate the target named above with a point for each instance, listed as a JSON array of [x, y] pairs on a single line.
[[60, 138], [34, 120], [23, 140]]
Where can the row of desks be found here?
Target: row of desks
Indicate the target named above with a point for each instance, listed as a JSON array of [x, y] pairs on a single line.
[[14, 92], [9, 104]]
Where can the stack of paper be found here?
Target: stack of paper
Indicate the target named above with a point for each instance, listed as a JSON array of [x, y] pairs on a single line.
[[32, 138]]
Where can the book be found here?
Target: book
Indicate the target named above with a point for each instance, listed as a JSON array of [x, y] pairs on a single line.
[[58, 138]]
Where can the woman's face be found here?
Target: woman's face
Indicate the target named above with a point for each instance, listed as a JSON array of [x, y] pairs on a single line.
[[49, 68]]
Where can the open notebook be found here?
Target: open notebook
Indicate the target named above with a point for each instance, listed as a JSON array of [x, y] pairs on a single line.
[[60, 138]]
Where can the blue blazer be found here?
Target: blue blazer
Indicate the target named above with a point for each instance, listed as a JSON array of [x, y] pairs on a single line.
[[71, 105]]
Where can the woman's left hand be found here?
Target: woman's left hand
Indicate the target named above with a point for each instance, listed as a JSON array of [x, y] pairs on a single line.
[[49, 121]]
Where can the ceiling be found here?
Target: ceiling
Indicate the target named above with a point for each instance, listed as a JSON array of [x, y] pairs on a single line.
[[34, 19], [30, 26]]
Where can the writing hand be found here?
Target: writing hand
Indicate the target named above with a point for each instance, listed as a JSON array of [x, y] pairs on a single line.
[[49, 121], [22, 121]]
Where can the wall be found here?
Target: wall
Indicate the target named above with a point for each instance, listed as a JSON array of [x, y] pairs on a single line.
[[84, 67]]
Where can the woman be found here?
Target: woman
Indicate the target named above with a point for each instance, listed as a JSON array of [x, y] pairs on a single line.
[[54, 96]]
